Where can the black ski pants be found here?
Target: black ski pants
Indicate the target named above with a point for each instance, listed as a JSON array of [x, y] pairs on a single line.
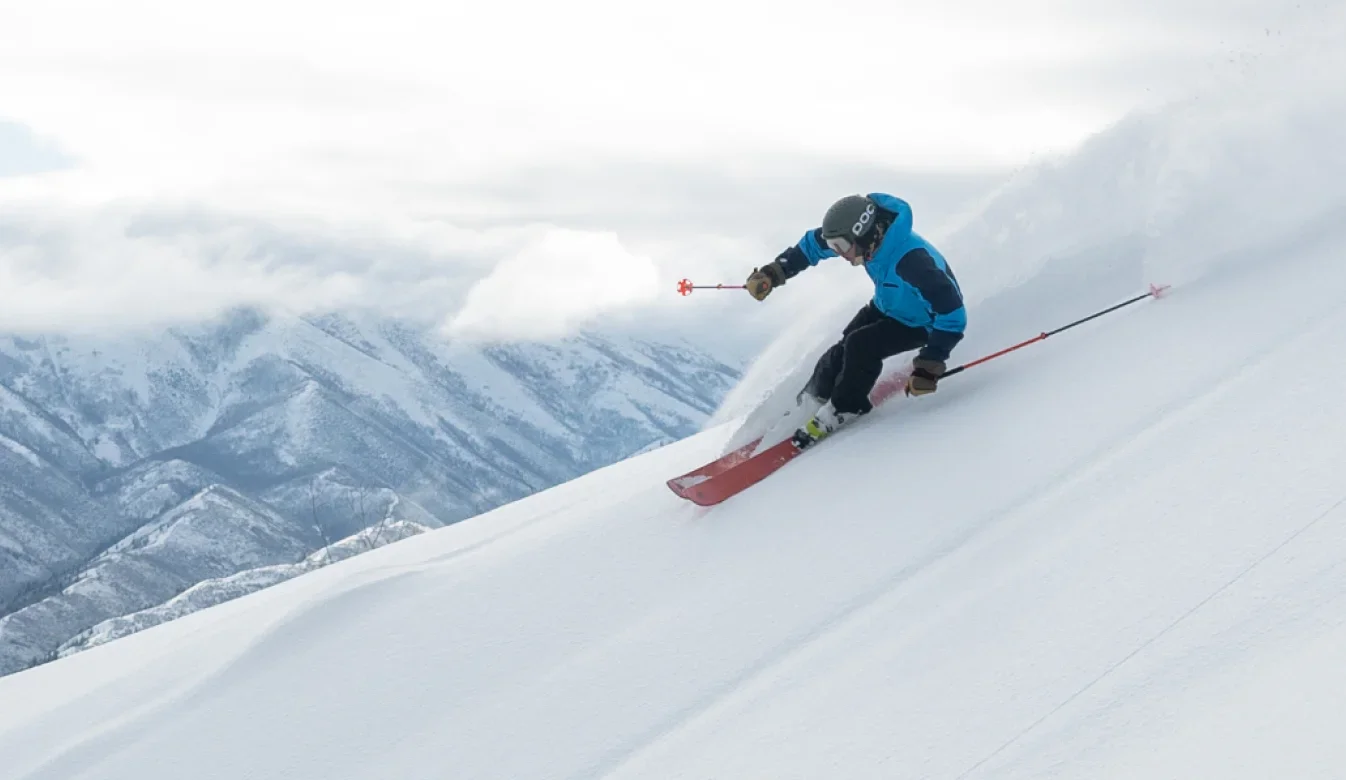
[[847, 371]]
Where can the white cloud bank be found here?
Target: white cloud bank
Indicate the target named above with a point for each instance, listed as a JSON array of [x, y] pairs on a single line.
[[111, 269], [559, 282], [418, 144]]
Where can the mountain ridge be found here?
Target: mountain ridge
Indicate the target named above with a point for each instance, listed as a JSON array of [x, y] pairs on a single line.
[[289, 435]]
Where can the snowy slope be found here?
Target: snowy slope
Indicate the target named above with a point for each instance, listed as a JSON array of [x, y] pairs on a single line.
[[1116, 554]]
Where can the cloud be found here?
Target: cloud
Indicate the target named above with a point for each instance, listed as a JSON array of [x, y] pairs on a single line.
[[557, 283], [22, 153], [342, 156], [637, 224], [124, 269]]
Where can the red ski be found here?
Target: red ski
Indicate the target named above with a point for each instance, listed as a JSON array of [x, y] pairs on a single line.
[[739, 469], [708, 491], [719, 465]]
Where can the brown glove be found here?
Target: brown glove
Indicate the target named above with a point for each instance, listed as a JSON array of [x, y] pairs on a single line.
[[925, 376], [762, 280]]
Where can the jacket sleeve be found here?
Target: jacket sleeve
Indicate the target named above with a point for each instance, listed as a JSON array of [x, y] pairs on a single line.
[[810, 249], [935, 284]]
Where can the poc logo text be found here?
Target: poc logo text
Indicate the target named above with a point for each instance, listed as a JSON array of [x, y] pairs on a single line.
[[862, 224]]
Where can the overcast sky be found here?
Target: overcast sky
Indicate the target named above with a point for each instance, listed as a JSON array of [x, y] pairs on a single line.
[[520, 169]]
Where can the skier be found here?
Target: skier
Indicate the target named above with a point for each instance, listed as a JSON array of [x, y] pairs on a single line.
[[916, 303]]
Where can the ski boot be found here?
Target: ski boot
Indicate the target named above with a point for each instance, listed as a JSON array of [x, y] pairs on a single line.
[[823, 424]]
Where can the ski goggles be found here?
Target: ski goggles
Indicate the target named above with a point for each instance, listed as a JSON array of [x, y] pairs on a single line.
[[841, 245]]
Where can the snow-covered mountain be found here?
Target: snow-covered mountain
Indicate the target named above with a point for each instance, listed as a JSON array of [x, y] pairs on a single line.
[[139, 467]]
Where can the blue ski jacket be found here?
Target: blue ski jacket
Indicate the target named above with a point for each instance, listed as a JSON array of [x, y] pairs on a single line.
[[913, 283]]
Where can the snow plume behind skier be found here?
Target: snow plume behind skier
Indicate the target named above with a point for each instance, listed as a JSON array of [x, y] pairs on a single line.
[[917, 304]]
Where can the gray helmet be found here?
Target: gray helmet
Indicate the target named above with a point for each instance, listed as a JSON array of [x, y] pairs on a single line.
[[852, 218]]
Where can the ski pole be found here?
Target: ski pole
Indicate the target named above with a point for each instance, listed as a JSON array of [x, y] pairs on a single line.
[[685, 287], [1154, 291]]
